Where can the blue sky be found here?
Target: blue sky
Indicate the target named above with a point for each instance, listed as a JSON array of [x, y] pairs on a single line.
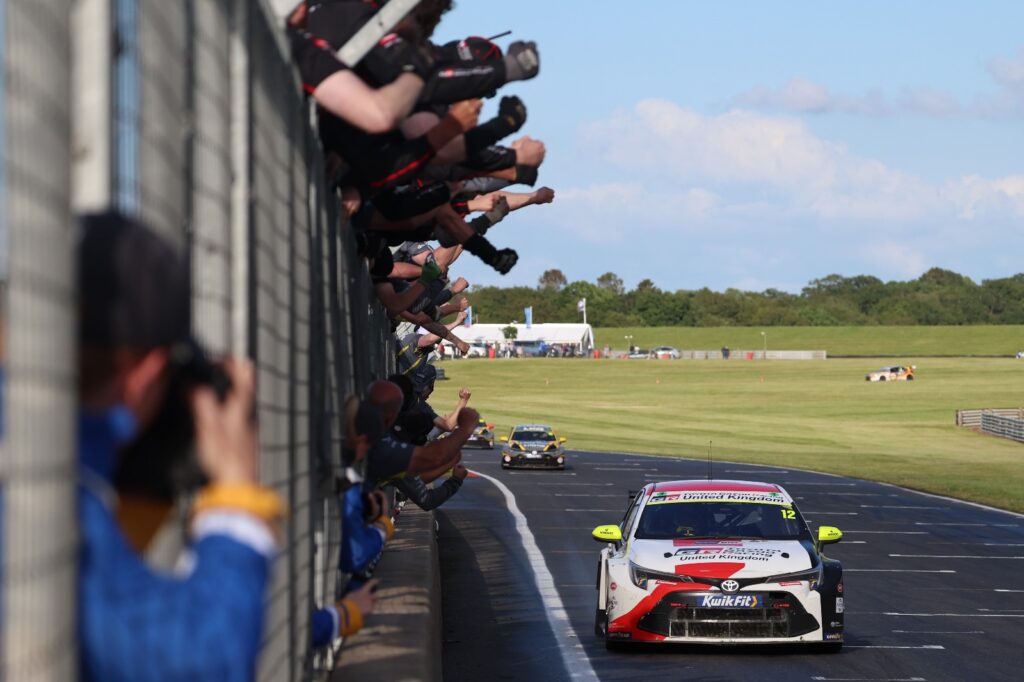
[[764, 144]]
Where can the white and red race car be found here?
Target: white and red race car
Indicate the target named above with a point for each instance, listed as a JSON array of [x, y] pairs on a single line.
[[720, 562]]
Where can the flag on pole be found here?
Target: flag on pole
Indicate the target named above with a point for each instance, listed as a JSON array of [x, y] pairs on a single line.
[[469, 316], [528, 313], [581, 305]]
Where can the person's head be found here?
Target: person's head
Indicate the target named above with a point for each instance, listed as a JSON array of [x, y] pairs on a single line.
[[363, 428], [408, 390], [423, 380], [134, 306], [387, 398]]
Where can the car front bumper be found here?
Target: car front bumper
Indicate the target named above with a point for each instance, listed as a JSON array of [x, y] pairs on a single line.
[[522, 460]]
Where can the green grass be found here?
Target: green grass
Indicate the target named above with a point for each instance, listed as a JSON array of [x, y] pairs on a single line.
[[887, 340], [818, 415]]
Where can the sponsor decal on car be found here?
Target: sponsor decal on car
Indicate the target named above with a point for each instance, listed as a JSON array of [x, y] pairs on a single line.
[[834, 636], [719, 496], [729, 601], [726, 553], [839, 605]]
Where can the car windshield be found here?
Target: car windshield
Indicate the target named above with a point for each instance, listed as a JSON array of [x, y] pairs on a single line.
[[667, 521], [531, 436]]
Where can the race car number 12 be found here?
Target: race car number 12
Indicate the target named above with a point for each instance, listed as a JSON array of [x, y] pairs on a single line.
[[788, 514]]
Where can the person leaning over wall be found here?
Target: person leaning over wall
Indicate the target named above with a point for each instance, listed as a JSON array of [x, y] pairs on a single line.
[[136, 362]]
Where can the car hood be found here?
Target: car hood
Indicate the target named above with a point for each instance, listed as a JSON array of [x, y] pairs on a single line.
[[721, 558]]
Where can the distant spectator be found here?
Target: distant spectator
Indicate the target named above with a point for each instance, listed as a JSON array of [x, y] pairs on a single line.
[[391, 459]]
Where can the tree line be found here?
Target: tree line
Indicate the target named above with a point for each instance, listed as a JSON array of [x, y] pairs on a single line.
[[938, 297]]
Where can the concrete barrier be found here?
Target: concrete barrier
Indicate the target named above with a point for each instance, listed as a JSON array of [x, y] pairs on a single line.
[[401, 640]]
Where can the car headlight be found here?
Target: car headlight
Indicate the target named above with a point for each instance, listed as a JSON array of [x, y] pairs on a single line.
[[507, 458], [811, 575], [561, 459], [641, 576]]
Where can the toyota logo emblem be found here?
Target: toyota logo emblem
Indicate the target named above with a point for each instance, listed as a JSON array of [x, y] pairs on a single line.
[[730, 586]]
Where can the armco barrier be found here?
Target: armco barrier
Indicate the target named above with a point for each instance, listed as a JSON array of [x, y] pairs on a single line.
[[1004, 427], [971, 418]]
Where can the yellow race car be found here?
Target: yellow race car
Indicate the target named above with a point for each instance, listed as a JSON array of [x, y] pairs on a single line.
[[532, 446]]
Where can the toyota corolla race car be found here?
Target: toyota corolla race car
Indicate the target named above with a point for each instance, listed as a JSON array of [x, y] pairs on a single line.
[[532, 446], [894, 373], [719, 562], [483, 436]]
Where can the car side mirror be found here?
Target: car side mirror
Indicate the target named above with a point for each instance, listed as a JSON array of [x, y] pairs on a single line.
[[606, 534], [504, 439], [828, 535], [562, 440]]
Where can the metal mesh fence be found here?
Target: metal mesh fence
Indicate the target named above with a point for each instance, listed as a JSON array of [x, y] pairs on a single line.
[[38, 451], [212, 145]]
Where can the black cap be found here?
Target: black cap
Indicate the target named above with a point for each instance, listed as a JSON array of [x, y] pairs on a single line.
[[134, 288]]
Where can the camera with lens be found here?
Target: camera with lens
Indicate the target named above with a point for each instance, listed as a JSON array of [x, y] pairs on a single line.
[[161, 462]]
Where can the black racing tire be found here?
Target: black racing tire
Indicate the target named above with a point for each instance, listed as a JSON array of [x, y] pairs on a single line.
[[910, 378], [600, 622], [881, 378]]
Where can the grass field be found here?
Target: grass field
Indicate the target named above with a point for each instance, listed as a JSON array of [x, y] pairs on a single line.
[[888, 341], [818, 415]]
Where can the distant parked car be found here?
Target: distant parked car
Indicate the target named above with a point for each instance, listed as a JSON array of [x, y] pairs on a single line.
[[640, 354], [476, 351], [893, 373], [666, 353]]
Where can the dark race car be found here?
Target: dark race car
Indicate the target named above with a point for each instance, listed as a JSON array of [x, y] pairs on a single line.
[[532, 446]]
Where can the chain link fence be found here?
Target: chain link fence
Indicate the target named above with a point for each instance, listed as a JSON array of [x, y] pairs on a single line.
[[211, 143]]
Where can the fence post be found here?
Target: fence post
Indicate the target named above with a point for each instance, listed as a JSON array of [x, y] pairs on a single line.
[[38, 461]]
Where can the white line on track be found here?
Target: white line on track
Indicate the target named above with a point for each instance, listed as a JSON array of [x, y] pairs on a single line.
[[585, 494], [898, 570], [757, 471], [936, 632], [574, 483], [1002, 610], [1006, 590], [897, 506], [945, 615], [825, 513], [981, 525], [576, 662], [935, 647], [1002, 544], [951, 556], [889, 532], [830, 494], [870, 679]]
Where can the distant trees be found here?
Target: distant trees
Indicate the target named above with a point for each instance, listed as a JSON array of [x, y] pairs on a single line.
[[936, 297], [552, 279]]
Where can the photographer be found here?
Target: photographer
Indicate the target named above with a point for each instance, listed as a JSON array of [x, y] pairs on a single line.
[[135, 623]]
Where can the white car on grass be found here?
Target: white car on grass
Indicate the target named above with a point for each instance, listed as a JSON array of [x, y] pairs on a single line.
[[720, 562]]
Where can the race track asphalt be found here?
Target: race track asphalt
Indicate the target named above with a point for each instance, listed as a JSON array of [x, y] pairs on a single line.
[[934, 587]]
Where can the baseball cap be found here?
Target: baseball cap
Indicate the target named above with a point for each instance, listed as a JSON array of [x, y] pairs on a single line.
[[134, 288]]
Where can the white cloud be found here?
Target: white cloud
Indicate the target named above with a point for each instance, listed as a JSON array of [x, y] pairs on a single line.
[[774, 162], [801, 95], [804, 96]]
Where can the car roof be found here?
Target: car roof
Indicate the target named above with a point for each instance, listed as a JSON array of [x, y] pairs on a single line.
[[725, 487], [531, 427]]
